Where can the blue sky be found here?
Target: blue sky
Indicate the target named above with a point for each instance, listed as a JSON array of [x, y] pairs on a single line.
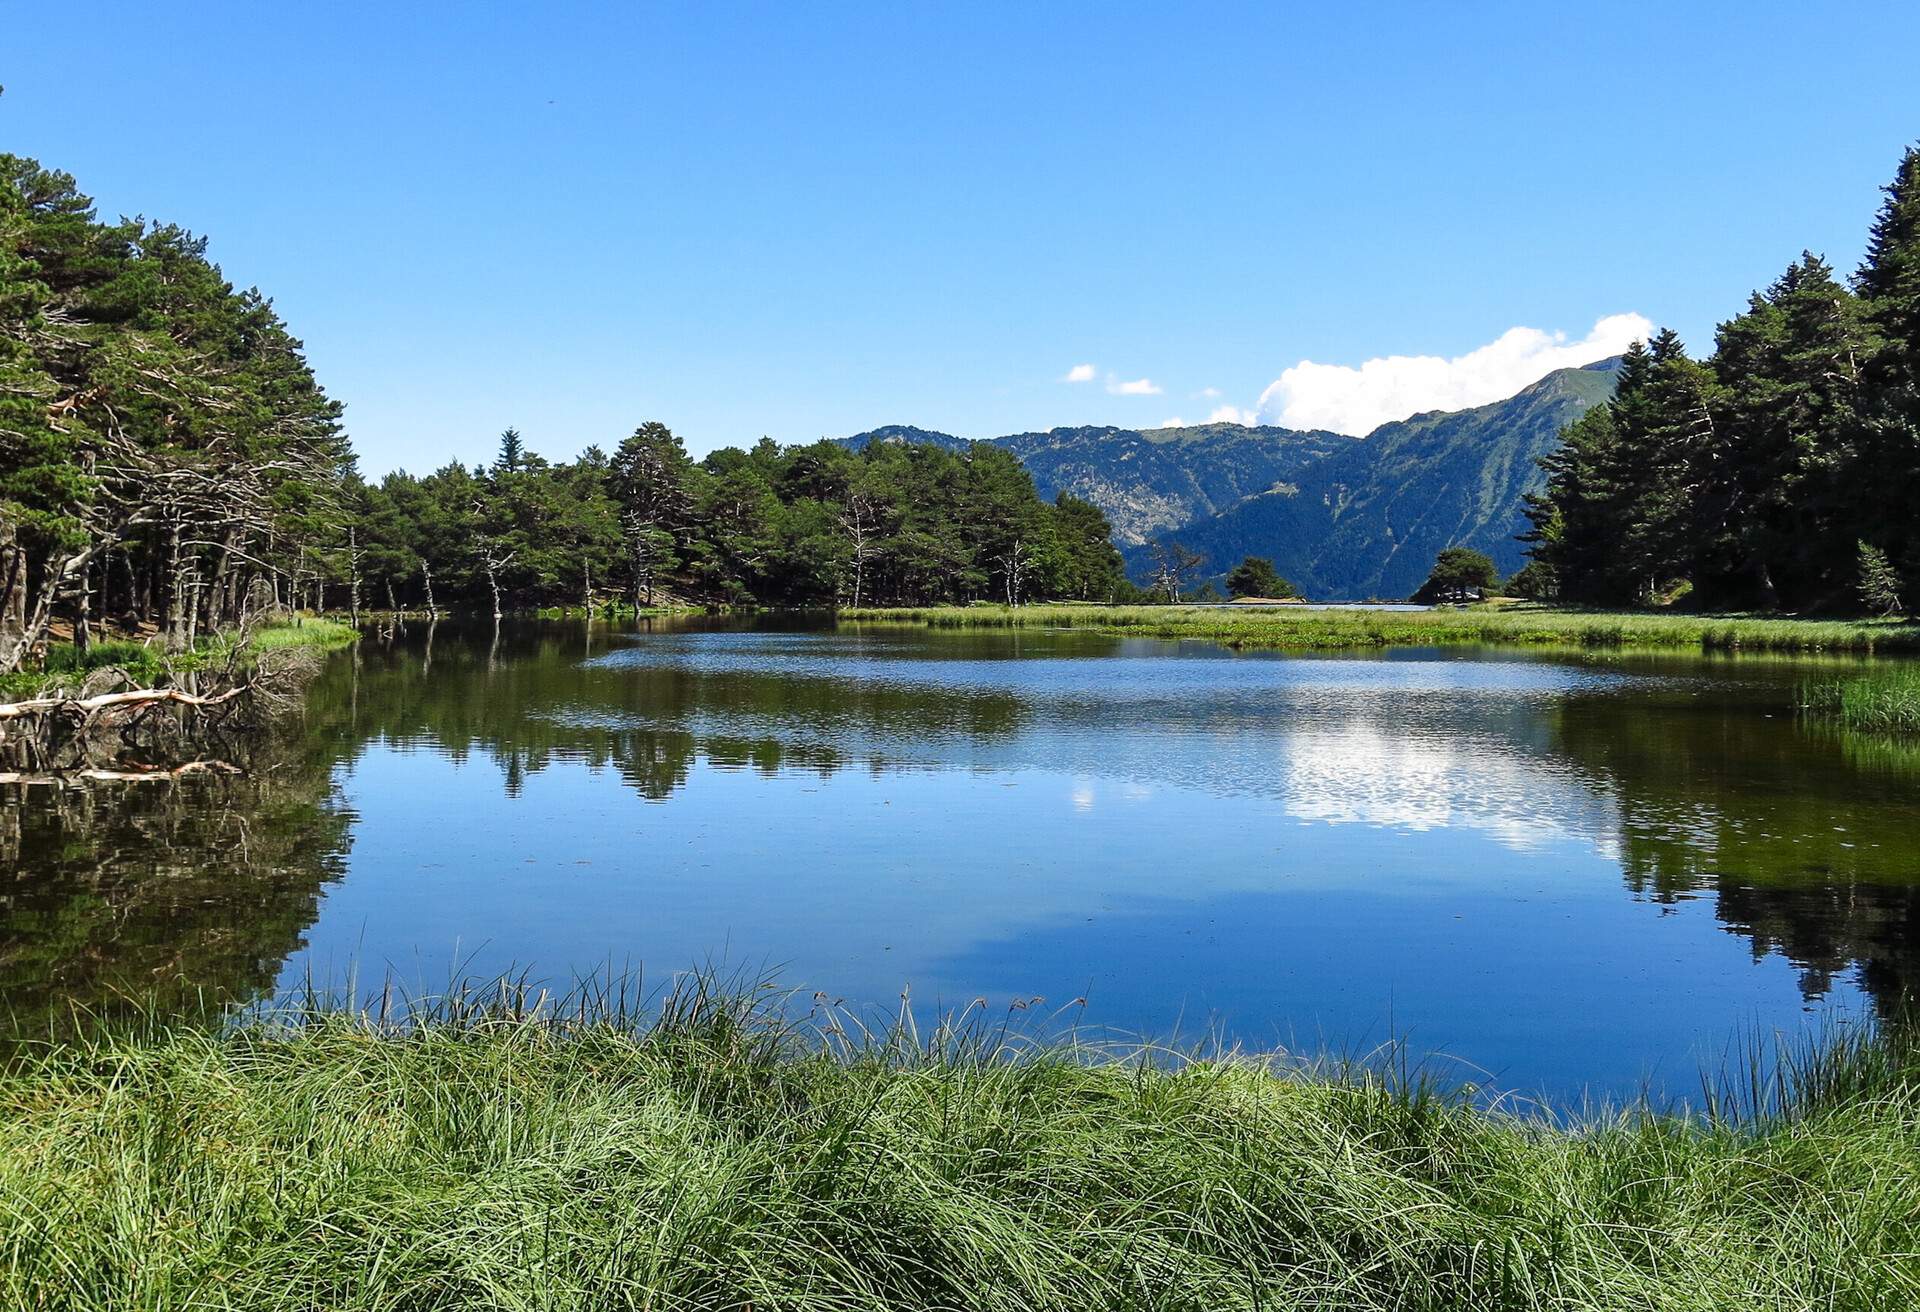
[[808, 220]]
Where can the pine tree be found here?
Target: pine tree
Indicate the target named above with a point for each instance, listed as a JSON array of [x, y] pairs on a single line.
[[1889, 280], [649, 476], [1879, 581], [1787, 500], [512, 454]]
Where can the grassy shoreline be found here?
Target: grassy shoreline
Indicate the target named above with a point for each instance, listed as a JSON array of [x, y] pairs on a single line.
[[1529, 626], [152, 665], [1885, 702], [717, 1159]]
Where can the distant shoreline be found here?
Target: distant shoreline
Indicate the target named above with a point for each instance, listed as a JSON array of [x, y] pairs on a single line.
[[1307, 628]]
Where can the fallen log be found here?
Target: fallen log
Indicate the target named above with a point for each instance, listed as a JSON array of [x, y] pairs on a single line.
[[54, 777], [110, 700]]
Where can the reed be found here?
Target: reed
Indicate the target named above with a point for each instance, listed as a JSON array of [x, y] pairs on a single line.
[[1532, 626], [494, 1150], [1882, 701]]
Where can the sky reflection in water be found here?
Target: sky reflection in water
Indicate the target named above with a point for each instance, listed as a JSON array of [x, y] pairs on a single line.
[[1565, 874]]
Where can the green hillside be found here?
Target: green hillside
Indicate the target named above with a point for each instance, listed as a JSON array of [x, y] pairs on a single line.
[[1149, 481], [1163, 479], [1342, 517], [1367, 521]]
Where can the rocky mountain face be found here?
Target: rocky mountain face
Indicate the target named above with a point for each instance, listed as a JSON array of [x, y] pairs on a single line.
[[1341, 517], [1368, 521], [1163, 479]]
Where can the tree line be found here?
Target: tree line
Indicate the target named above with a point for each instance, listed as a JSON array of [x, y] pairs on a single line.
[[1783, 471], [166, 455], [808, 525], [169, 465]]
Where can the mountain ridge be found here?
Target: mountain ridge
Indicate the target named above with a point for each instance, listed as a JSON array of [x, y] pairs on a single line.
[[1341, 516]]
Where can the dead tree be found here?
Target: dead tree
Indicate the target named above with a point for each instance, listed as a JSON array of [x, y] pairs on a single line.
[[1172, 563]]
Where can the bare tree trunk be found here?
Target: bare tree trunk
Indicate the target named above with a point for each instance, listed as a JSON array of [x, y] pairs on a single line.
[[353, 575], [13, 584], [175, 626], [216, 589], [426, 572], [136, 603], [82, 610], [856, 517]]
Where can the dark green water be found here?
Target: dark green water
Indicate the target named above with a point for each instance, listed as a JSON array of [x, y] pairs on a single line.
[[1568, 874]]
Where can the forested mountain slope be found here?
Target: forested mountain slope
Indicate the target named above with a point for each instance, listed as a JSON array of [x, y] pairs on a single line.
[[1340, 516], [1367, 521], [1152, 480]]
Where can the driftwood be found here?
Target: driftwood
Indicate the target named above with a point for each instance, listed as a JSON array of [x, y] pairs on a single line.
[[156, 774], [112, 700]]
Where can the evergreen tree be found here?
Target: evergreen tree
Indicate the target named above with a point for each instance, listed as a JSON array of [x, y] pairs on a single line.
[[1889, 282], [1459, 574], [1781, 530], [1256, 577], [649, 476], [1879, 582]]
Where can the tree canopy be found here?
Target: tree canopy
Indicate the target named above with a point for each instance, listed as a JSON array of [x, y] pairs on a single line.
[[1256, 577], [1459, 574], [813, 525], [168, 462], [164, 447], [1780, 471]]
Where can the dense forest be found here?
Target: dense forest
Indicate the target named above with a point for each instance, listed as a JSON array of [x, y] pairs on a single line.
[[814, 525], [169, 465], [1781, 471], [165, 453]]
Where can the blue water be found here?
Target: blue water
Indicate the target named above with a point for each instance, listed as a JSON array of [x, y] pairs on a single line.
[[1523, 866]]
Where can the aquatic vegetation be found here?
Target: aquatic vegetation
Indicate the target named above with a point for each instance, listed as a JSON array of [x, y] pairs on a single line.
[[1883, 701], [1307, 629], [151, 664], [495, 1154]]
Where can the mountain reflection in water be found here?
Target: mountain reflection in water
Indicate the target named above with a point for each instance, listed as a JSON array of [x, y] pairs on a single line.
[[1571, 873]]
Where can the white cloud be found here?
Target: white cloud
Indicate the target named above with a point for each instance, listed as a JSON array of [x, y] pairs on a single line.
[[1175, 422], [1358, 400], [1208, 393], [1080, 373], [1138, 387], [1233, 414]]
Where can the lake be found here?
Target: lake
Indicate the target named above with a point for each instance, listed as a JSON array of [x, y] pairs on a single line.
[[1564, 875]]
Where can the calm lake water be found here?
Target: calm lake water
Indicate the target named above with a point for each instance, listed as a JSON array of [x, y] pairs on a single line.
[[1566, 874]]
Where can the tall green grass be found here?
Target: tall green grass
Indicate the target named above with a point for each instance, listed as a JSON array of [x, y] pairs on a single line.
[[1884, 701], [1302, 629], [151, 664], [500, 1156]]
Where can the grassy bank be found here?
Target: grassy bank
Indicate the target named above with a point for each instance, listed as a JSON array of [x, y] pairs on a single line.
[[1885, 701], [717, 1160], [150, 664], [1532, 626]]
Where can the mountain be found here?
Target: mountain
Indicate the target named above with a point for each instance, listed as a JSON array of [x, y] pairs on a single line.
[[1149, 480], [1342, 517], [1368, 520], [904, 433]]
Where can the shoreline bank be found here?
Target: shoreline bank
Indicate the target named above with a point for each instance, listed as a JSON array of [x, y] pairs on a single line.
[[717, 1157], [1303, 629]]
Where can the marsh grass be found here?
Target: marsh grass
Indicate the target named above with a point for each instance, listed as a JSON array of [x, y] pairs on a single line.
[[1882, 701], [1521, 625], [712, 1149], [151, 664]]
